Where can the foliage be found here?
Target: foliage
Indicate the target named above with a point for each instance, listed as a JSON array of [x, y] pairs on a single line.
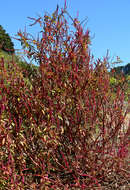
[[28, 70], [6, 43], [124, 69], [62, 130], [119, 76]]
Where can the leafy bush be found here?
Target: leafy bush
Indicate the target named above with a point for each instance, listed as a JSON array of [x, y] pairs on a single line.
[[62, 130]]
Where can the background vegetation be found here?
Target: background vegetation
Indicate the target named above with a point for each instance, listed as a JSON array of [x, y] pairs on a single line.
[[6, 43]]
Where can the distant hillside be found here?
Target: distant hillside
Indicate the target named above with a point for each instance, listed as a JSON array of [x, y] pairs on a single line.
[[124, 69], [30, 69]]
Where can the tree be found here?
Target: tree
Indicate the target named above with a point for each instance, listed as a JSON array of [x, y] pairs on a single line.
[[5, 41]]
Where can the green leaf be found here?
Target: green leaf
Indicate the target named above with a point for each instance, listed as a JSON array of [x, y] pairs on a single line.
[[60, 117]]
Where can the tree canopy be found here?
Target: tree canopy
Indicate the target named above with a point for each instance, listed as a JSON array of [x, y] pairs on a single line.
[[6, 43]]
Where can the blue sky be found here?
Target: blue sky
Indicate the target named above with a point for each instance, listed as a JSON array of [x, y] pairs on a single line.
[[108, 21]]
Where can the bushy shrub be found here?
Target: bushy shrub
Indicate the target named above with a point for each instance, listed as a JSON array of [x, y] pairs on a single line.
[[62, 130]]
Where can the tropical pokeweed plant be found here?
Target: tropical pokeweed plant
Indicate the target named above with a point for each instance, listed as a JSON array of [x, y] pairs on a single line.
[[62, 128]]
